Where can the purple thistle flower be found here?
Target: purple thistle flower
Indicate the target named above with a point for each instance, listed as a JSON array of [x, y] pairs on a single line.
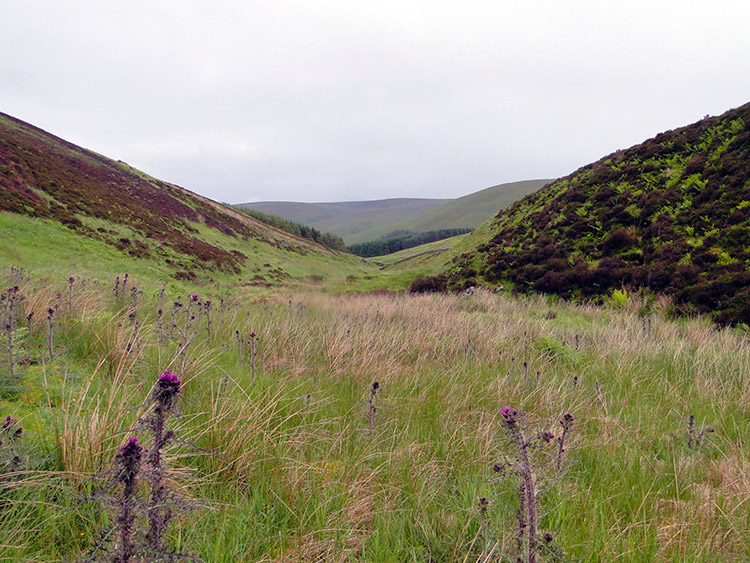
[[11, 428], [509, 414], [167, 388], [194, 297], [129, 458]]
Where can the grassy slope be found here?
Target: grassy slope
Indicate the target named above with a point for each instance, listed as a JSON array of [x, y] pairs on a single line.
[[109, 217]]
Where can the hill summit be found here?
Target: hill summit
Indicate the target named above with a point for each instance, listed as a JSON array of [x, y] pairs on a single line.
[[671, 215]]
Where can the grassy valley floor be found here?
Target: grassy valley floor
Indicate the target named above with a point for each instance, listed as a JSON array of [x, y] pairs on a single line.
[[286, 451]]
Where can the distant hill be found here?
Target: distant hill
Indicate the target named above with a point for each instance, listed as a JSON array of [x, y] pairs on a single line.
[[467, 211], [47, 178], [362, 221], [347, 218], [671, 215]]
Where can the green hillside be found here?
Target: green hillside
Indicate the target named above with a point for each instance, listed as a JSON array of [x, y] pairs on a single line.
[[468, 211], [671, 215], [363, 221], [111, 217], [349, 218]]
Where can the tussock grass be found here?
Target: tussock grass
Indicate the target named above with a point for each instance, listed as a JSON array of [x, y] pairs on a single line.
[[285, 465]]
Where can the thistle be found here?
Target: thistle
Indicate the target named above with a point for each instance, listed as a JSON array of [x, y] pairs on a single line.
[[128, 465], [695, 436], [164, 398], [50, 329], [527, 510], [567, 424], [253, 349], [10, 433], [372, 410]]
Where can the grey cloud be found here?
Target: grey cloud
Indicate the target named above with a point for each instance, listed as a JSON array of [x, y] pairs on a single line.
[[337, 100]]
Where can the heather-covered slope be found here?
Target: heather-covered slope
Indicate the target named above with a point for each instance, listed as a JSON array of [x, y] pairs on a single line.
[[43, 176], [671, 215]]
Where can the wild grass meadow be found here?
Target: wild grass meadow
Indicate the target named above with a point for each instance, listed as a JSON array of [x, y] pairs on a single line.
[[313, 426]]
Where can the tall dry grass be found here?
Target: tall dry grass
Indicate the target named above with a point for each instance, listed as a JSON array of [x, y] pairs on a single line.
[[289, 470]]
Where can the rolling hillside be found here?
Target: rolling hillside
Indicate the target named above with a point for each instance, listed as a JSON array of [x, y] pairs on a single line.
[[362, 221], [467, 211], [671, 215], [348, 218], [51, 185]]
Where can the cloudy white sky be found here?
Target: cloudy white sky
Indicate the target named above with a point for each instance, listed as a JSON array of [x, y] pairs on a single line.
[[329, 100]]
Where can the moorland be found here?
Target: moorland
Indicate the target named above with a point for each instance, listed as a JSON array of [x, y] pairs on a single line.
[[181, 381]]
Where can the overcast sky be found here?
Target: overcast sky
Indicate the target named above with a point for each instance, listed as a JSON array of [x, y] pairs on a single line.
[[328, 100]]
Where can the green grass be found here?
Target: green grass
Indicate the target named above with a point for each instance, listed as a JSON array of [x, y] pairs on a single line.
[[283, 465], [55, 250]]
